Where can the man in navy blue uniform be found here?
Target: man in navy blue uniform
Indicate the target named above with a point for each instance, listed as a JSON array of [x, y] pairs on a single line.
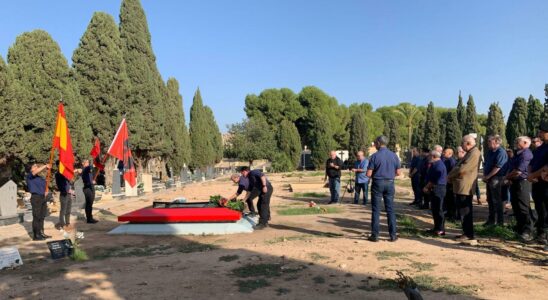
[[65, 194], [436, 189], [520, 188], [362, 181], [36, 186], [89, 190], [424, 166], [415, 175], [258, 182], [333, 167], [243, 185], [539, 185], [384, 166], [493, 176], [449, 201]]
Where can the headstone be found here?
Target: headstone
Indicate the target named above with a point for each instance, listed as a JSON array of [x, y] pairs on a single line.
[[60, 249], [8, 203], [147, 183], [10, 258], [116, 186], [184, 175], [80, 200], [131, 191], [198, 174]]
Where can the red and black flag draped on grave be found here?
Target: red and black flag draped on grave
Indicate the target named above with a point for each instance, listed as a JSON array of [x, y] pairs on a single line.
[[120, 149], [96, 154]]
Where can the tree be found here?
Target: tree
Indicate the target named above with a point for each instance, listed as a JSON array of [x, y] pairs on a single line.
[[40, 78], [6, 112], [431, 131], [391, 132], [275, 105], [418, 134], [409, 112], [461, 113], [534, 115], [176, 129], [215, 139], [289, 143], [145, 110], [200, 137], [321, 138], [471, 122], [250, 141], [359, 140], [101, 75], [517, 124], [495, 123], [453, 134]]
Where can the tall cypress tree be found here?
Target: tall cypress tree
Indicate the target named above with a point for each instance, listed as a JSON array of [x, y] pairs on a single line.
[[358, 134], [517, 125], [534, 115], [289, 141], [42, 78], [321, 138], [199, 134], [495, 123], [431, 131], [471, 122], [453, 134], [391, 132], [461, 113], [6, 113], [146, 106], [215, 140], [101, 75], [176, 129]]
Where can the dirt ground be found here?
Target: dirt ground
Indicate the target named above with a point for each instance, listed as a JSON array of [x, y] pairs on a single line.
[[322, 256]]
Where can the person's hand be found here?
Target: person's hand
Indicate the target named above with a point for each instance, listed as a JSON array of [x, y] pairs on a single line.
[[332, 165], [48, 166], [352, 170], [265, 189], [485, 179], [425, 190]]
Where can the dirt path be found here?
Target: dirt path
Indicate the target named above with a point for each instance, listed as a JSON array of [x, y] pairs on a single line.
[[300, 257]]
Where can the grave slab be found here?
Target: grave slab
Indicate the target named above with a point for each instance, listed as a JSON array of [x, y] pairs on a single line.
[[8, 204]]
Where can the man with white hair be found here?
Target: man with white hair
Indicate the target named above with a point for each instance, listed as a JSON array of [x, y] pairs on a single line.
[[493, 176], [520, 188], [436, 190], [463, 176]]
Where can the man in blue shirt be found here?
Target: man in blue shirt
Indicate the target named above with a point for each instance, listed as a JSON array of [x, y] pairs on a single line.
[[65, 194], [259, 183], [36, 186], [449, 204], [539, 185], [243, 185], [384, 166], [362, 181], [415, 176], [520, 188], [493, 176], [436, 189], [89, 190]]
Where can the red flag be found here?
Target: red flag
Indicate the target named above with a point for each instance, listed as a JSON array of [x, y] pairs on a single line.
[[120, 149], [62, 142], [96, 154]]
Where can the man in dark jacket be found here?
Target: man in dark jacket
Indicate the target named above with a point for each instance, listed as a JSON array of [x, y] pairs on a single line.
[[258, 182], [333, 167], [65, 198], [36, 186]]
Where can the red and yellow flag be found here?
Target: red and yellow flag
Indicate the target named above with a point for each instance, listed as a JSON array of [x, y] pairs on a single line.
[[61, 142]]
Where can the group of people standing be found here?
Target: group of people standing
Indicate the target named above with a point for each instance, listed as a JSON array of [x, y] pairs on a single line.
[[36, 186]]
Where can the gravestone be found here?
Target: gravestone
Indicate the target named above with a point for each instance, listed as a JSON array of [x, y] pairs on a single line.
[[147, 183], [184, 175], [131, 191], [198, 174], [10, 258], [8, 203], [116, 186], [60, 249], [80, 200]]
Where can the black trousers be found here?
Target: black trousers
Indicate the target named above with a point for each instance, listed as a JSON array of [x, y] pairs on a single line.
[[494, 200], [464, 205], [425, 199], [437, 196], [539, 192], [264, 205], [89, 194], [39, 211], [520, 198], [253, 194], [449, 202], [415, 184]]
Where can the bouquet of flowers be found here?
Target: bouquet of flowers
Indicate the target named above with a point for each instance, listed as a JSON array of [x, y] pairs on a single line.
[[219, 201]]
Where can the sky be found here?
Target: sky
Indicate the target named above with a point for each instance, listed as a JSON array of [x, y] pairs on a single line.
[[381, 52]]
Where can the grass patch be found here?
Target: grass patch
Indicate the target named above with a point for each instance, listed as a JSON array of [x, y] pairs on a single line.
[[248, 286], [316, 256], [132, 251], [426, 282], [282, 239], [532, 276], [384, 284], [421, 267], [229, 258], [309, 195], [319, 280], [297, 211], [387, 255], [500, 232], [79, 254], [196, 247], [266, 270], [407, 226]]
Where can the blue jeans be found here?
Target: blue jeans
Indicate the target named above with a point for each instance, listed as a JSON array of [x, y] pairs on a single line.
[[383, 189], [334, 188], [361, 187]]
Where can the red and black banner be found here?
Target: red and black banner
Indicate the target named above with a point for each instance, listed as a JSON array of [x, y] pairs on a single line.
[[120, 149]]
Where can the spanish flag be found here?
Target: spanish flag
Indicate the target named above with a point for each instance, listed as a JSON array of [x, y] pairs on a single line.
[[61, 142]]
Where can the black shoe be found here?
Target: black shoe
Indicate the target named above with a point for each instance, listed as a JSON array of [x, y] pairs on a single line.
[[333, 202], [261, 226], [92, 221], [38, 238], [45, 235], [393, 239], [373, 238]]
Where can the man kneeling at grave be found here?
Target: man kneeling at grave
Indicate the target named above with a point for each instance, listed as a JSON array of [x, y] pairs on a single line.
[[259, 184], [243, 185]]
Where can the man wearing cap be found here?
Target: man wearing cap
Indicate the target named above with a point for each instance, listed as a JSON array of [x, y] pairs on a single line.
[[493, 176], [259, 182], [384, 166], [36, 186], [436, 189], [539, 185]]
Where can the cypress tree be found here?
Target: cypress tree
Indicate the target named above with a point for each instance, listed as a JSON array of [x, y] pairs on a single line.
[[101, 75], [321, 138], [146, 106], [471, 122], [6, 113], [358, 134], [176, 129], [289, 142], [517, 125], [41, 78], [418, 134], [453, 134], [461, 113], [215, 140], [431, 129], [495, 123], [391, 132], [534, 115], [200, 140]]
